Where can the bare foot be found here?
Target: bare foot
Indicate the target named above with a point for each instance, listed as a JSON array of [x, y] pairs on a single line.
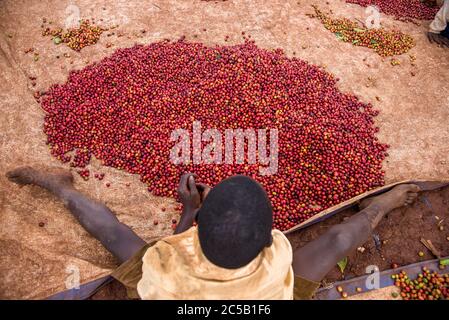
[[401, 195], [52, 178]]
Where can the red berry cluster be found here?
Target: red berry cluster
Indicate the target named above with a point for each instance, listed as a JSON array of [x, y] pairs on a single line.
[[401, 9], [86, 34], [123, 109], [384, 42], [427, 286], [84, 174]]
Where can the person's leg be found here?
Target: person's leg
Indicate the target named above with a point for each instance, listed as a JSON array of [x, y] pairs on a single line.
[[95, 217], [318, 257]]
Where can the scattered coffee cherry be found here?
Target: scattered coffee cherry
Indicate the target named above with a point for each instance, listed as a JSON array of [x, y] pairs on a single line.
[[84, 174], [173, 226], [41, 224], [173, 221], [401, 9], [358, 289], [395, 62], [383, 42], [155, 222], [340, 289], [395, 294], [421, 254], [163, 209], [394, 266], [108, 184], [344, 295], [123, 109]]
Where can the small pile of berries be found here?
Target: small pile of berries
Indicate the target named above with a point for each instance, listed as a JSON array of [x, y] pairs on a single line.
[[427, 286], [383, 42], [86, 34]]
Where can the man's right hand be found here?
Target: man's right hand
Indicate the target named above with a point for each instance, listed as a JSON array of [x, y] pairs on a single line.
[[188, 191]]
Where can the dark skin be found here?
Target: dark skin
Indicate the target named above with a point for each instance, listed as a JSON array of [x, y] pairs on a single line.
[[123, 243], [342, 239], [191, 195], [438, 39], [95, 217]]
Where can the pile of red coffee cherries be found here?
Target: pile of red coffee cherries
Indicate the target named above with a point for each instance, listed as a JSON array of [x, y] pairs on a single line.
[[401, 9], [427, 286], [123, 109]]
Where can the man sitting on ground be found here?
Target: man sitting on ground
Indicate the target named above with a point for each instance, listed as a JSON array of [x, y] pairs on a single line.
[[232, 253]]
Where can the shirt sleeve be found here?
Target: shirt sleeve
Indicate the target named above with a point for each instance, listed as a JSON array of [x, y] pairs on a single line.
[[441, 19], [304, 289]]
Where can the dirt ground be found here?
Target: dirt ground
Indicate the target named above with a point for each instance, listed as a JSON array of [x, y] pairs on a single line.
[[37, 261]]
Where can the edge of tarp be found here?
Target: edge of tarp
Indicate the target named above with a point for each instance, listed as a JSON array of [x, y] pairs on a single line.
[[385, 280], [88, 289], [424, 186], [85, 291]]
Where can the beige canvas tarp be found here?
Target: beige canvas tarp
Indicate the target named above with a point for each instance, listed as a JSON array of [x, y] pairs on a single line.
[[37, 261]]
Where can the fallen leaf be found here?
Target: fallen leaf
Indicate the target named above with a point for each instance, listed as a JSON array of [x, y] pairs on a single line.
[[444, 262], [342, 264]]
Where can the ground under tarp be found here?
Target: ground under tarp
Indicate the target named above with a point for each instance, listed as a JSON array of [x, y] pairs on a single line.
[[36, 261]]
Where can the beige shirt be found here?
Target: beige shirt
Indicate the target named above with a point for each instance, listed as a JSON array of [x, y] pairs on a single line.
[[176, 268], [441, 19]]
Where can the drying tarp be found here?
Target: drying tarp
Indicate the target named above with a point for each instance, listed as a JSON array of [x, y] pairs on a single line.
[[36, 262]]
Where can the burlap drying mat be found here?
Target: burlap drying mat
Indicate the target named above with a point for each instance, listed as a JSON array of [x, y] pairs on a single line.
[[86, 290]]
